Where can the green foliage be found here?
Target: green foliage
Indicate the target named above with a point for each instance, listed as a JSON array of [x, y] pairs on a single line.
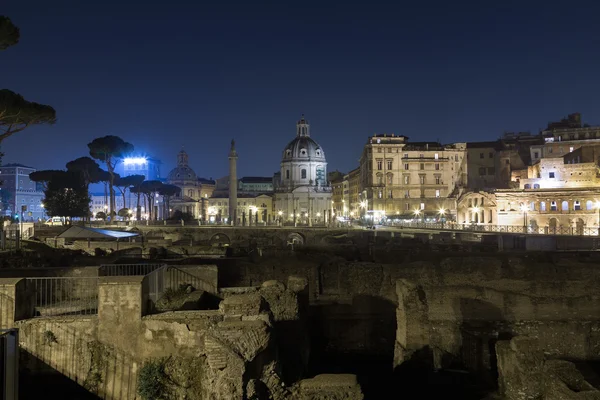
[[49, 338], [16, 113], [124, 213], [9, 33], [153, 380], [98, 362]]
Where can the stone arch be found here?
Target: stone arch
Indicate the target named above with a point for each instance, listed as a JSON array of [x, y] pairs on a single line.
[[296, 238], [220, 239]]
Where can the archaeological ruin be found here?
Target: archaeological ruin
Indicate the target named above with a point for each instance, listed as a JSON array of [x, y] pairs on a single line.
[[328, 314]]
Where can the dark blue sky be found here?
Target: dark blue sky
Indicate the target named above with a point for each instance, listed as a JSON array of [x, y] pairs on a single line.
[[168, 74]]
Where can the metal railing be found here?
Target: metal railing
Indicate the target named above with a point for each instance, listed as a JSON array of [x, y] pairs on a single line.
[[127, 269], [531, 230], [9, 364], [65, 295]]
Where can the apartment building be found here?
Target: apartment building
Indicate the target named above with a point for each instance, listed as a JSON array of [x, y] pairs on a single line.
[[401, 178]]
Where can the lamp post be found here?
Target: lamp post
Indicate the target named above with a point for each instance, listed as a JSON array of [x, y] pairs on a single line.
[[363, 205], [442, 212], [417, 212], [524, 208]]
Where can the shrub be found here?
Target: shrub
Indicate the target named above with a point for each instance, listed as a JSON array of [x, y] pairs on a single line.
[[152, 380]]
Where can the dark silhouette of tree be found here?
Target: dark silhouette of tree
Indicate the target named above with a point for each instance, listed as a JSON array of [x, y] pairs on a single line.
[[168, 191], [101, 215], [89, 169], [16, 113], [9, 33], [150, 189], [66, 195], [178, 215], [109, 150], [44, 176], [135, 188], [125, 182]]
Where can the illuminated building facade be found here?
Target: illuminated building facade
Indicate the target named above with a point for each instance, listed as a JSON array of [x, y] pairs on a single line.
[[195, 192], [252, 209], [302, 190], [147, 166], [18, 190], [409, 180]]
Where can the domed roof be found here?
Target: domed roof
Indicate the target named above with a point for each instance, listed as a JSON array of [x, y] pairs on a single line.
[[303, 147], [182, 173]]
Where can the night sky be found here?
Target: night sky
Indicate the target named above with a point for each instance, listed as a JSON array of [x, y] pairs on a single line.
[[194, 74]]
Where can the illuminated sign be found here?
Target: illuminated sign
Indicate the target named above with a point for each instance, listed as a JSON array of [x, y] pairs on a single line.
[[134, 160]]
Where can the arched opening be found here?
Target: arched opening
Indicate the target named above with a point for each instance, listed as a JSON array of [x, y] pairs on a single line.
[[219, 240], [295, 238]]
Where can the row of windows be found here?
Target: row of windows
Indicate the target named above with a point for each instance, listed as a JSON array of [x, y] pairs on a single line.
[[406, 155], [564, 206], [390, 194], [406, 179]]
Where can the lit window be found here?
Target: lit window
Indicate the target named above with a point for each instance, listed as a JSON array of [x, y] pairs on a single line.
[[422, 179], [437, 193], [422, 206], [436, 156], [571, 149], [406, 179], [589, 205]]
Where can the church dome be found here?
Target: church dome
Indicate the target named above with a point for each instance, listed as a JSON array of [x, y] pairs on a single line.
[[182, 173], [303, 147]]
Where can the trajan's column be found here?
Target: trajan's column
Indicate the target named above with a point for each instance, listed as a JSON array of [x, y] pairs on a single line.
[[233, 184]]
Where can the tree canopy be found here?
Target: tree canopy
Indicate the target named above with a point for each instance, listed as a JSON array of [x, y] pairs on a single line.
[[89, 169], [9, 33], [16, 113], [66, 195], [109, 149], [44, 176]]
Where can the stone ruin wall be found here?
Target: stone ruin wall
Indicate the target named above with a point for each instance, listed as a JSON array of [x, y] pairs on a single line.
[[230, 353]]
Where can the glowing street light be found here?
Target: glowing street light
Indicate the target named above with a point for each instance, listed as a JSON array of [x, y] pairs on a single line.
[[134, 160], [280, 213], [318, 214]]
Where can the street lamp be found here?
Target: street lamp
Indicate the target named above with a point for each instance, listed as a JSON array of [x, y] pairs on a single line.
[[417, 212], [524, 208], [442, 212]]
